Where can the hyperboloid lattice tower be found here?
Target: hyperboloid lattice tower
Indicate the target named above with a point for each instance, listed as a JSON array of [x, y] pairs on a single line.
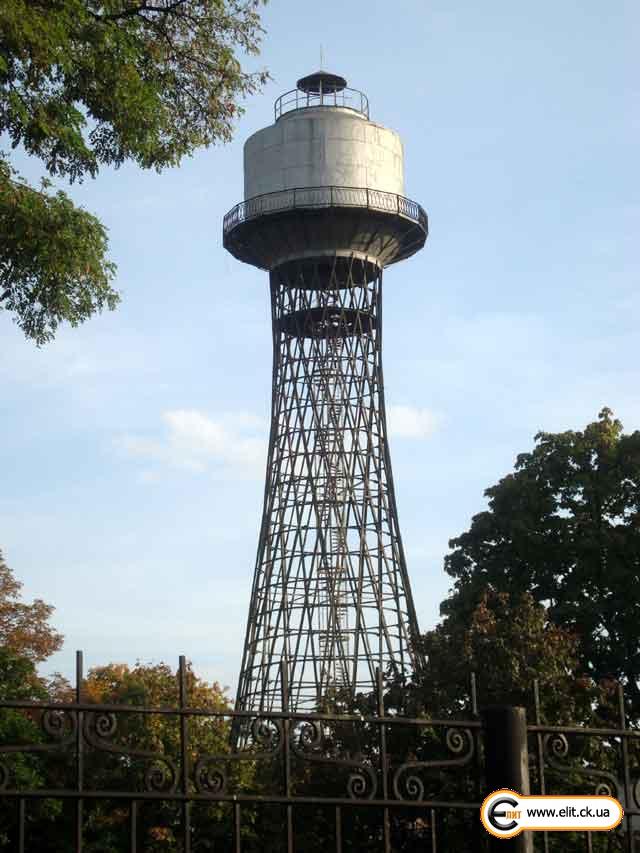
[[325, 213]]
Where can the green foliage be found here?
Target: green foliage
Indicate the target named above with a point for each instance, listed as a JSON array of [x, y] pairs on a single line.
[[153, 686], [110, 762], [19, 681], [53, 264], [26, 638], [565, 528], [546, 589], [24, 628], [85, 83], [508, 642]]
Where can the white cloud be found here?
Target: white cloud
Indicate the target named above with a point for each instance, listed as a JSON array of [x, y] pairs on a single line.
[[411, 422], [194, 441]]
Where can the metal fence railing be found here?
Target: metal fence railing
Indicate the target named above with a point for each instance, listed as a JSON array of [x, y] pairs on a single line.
[[280, 780], [323, 197]]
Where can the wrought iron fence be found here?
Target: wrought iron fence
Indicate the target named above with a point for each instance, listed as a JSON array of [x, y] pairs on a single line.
[[323, 197], [286, 781]]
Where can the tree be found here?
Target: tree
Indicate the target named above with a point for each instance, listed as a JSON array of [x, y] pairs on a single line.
[[24, 628], [19, 681], [565, 528], [26, 638], [112, 763], [86, 83], [508, 642]]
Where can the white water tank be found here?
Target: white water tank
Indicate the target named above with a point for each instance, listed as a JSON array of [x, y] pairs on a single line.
[[322, 137]]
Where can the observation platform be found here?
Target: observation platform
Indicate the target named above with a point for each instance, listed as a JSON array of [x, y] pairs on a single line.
[[306, 222]]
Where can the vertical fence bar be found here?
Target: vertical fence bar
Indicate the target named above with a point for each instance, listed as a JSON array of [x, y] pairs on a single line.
[[133, 827], [473, 686], [478, 831], [624, 746], [434, 837], [236, 828], [338, 829], [79, 755], [284, 687], [384, 761], [540, 753], [184, 755], [21, 824]]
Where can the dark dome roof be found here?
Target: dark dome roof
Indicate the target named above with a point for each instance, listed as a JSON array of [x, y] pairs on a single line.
[[312, 83]]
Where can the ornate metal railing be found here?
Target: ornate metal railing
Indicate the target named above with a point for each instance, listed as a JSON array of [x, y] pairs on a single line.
[[346, 782], [296, 99], [323, 197]]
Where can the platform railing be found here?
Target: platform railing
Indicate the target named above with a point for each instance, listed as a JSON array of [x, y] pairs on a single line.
[[323, 197], [296, 99]]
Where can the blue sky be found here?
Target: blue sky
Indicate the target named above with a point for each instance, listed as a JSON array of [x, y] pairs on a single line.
[[133, 447]]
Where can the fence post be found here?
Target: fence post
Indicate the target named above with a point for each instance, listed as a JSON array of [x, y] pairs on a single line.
[[507, 764], [79, 755], [184, 755], [384, 762], [286, 749]]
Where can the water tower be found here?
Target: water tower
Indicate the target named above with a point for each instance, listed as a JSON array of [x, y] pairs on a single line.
[[325, 213]]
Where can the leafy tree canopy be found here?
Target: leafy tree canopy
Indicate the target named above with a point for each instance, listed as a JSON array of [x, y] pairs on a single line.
[[26, 638], [85, 83], [150, 686], [508, 642], [565, 528], [24, 628]]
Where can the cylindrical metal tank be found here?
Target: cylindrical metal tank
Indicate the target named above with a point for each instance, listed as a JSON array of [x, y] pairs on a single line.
[[323, 180], [322, 145]]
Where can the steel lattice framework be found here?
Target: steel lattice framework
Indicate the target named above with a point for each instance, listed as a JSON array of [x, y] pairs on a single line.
[[331, 593]]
